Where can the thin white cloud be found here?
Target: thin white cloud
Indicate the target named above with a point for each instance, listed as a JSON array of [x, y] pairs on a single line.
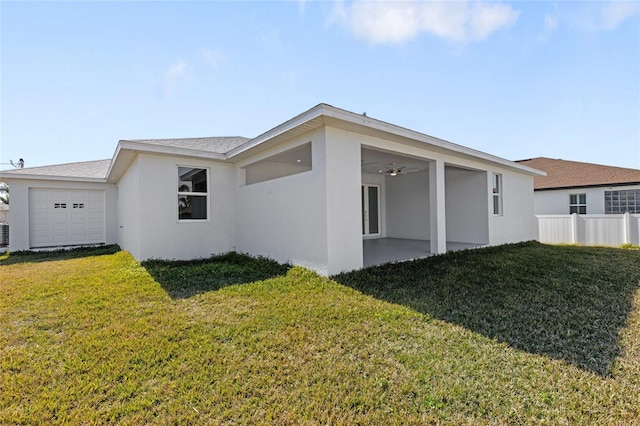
[[173, 77], [616, 12], [214, 58], [549, 26], [487, 18], [302, 5], [396, 22]]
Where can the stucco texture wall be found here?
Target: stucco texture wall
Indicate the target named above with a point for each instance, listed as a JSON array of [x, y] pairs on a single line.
[[286, 218]]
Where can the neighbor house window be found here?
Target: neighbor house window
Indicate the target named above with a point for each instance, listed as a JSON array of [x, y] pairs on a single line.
[[193, 193], [497, 194], [578, 203], [622, 201]]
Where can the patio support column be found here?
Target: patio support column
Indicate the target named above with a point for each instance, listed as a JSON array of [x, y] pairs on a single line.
[[438, 226]]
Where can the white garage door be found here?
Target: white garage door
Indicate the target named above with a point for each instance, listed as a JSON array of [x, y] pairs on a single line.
[[62, 217]]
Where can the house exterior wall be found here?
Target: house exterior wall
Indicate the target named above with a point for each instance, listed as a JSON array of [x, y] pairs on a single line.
[[129, 220], [466, 197], [19, 212], [518, 222], [162, 235], [556, 201], [286, 218], [407, 199], [343, 188]]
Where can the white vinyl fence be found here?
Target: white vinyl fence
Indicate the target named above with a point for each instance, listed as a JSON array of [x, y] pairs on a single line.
[[589, 229]]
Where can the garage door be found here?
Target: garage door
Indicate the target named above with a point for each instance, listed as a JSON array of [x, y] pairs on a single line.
[[62, 217]]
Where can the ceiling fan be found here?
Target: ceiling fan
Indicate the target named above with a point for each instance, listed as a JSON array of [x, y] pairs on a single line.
[[394, 171]]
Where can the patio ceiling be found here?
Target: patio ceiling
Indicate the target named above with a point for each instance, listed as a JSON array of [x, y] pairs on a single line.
[[376, 162]]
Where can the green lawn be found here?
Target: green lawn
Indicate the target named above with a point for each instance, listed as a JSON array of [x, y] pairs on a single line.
[[521, 333]]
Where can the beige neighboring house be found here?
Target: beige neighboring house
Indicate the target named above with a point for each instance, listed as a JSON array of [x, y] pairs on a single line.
[[328, 189], [584, 188]]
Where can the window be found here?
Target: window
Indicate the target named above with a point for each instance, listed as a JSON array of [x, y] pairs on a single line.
[[60, 206], [193, 193], [622, 201], [497, 194], [578, 203]]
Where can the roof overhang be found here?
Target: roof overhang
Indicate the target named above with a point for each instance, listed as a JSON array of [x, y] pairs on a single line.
[[6, 177], [602, 185], [126, 151], [326, 115]]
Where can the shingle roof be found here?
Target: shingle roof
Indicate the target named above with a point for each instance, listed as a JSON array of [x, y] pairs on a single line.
[[572, 174], [86, 169], [217, 144]]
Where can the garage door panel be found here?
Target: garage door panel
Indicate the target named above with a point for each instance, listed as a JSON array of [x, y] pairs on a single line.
[[66, 217], [58, 227], [79, 227]]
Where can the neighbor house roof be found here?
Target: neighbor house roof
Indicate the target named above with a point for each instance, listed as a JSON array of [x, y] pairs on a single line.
[[85, 170], [574, 174]]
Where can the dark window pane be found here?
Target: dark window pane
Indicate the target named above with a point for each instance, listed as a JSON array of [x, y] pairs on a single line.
[[192, 180], [573, 199], [363, 209], [583, 198], [582, 210], [573, 209], [373, 210], [192, 207]]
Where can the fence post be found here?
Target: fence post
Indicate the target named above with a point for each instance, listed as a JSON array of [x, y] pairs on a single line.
[[626, 228], [574, 228]]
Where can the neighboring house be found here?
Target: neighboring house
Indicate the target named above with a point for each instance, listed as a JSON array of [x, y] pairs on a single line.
[[584, 188], [327, 189]]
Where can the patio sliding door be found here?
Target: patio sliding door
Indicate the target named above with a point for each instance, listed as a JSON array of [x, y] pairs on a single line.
[[370, 211]]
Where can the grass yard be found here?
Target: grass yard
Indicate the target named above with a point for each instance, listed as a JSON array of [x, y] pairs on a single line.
[[521, 333]]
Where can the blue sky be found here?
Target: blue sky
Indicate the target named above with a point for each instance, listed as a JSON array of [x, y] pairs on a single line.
[[515, 79]]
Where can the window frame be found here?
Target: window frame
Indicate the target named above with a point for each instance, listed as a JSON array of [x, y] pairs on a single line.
[[497, 190], [578, 204], [192, 194]]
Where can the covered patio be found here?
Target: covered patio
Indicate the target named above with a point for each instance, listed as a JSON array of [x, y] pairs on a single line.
[[377, 251], [417, 207]]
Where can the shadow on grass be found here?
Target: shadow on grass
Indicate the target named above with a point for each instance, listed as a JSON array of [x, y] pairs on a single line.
[[182, 279], [567, 303], [29, 256]]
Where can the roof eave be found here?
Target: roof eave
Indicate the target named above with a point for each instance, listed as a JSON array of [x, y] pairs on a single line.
[[25, 176], [126, 150], [288, 125], [332, 113], [601, 185]]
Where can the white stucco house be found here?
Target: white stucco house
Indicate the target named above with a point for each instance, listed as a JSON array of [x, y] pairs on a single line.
[[328, 189], [584, 188]]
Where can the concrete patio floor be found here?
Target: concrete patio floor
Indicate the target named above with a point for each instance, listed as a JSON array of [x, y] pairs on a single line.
[[377, 251]]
